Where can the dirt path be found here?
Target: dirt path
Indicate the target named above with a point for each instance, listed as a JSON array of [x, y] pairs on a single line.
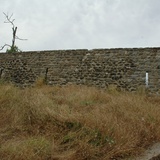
[[153, 153]]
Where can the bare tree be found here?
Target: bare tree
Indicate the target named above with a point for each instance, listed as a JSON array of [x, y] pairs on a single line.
[[13, 47]]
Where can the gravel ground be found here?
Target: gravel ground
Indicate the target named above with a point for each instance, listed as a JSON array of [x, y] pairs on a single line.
[[152, 153]]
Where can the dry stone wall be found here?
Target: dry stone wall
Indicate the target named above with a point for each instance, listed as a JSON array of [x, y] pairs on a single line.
[[126, 68]]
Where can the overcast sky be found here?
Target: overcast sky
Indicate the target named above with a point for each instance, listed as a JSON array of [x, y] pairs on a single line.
[[82, 24]]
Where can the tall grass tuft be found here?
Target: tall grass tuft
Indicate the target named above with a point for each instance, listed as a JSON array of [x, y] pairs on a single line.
[[75, 122]]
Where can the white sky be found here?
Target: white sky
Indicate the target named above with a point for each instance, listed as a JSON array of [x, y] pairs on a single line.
[[81, 24]]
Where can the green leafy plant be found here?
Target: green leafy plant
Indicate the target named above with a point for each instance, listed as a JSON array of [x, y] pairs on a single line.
[[13, 49]]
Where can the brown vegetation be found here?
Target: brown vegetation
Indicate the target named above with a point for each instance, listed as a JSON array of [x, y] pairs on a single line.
[[75, 123]]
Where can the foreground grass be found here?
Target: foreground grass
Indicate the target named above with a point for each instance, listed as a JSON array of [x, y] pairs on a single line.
[[75, 123]]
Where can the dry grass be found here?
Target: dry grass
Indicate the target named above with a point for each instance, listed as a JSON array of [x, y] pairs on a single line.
[[75, 123]]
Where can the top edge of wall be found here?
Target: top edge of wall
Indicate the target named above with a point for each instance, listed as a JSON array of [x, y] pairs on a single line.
[[98, 49]]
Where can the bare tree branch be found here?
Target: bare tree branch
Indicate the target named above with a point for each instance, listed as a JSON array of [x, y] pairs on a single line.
[[9, 19], [4, 46], [21, 39], [14, 30]]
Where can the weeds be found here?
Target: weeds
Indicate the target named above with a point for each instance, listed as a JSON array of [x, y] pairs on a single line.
[[75, 122]]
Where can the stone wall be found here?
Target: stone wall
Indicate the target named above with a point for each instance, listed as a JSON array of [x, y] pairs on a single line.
[[126, 68]]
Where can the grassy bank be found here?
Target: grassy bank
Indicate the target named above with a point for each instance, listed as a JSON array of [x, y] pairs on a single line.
[[75, 123]]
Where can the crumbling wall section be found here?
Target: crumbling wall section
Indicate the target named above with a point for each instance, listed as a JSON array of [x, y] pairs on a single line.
[[125, 67]]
